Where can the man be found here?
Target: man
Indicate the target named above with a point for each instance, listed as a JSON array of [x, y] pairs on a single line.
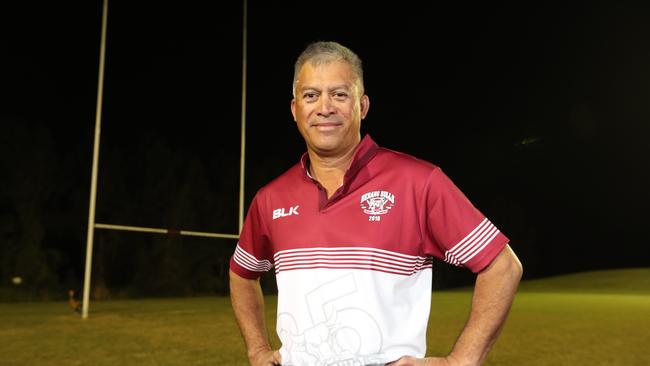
[[351, 231]]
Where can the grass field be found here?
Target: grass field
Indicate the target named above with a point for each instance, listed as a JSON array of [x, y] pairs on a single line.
[[597, 318]]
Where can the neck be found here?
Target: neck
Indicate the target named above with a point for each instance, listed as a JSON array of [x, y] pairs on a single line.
[[330, 170]]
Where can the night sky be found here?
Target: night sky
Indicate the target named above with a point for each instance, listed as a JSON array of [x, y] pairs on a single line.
[[539, 113]]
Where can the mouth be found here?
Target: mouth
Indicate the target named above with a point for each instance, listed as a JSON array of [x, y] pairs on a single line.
[[326, 126]]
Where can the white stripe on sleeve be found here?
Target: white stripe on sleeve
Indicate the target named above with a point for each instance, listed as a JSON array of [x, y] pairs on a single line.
[[472, 244], [248, 261]]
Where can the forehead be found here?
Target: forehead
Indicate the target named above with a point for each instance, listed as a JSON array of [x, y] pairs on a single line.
[[333, 72]]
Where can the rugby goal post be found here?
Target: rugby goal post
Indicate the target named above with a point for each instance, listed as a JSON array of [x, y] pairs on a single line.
[[92, 225]]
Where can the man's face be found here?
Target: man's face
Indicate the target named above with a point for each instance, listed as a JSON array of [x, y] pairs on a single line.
[[328, 109]]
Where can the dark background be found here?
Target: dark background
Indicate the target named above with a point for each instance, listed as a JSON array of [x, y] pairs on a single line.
[[540, 114]]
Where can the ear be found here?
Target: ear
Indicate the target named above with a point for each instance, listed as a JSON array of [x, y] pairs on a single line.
[[365, 106], [293, 108]]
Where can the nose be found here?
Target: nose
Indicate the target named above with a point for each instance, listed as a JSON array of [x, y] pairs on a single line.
[[325, 105]]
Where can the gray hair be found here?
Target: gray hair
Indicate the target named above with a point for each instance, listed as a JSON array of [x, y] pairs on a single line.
[[321, 53]]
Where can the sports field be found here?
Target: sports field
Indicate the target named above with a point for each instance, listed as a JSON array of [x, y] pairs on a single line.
[[596, 318]]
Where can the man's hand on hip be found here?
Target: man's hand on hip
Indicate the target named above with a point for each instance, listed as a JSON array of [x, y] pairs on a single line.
[[429, 361], [266, 357]]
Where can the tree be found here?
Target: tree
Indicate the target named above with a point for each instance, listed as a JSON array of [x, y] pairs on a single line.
[[28, 158]]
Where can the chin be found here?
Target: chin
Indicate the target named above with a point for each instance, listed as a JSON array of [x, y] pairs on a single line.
[[325, 149], [329, 149]]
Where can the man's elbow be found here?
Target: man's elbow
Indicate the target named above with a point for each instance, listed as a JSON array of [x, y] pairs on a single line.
[[515, 267], [518, 270], [509, 266]]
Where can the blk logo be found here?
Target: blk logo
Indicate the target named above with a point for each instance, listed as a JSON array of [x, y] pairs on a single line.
[[279, 212]]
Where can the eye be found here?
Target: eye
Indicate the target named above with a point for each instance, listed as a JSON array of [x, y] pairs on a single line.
[[340, 95], [310, 96]]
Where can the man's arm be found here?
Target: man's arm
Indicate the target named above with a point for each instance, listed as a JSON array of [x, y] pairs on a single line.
[[248, 305], [493, 295]]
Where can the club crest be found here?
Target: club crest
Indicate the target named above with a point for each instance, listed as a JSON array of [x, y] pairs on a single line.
[[377, 203]]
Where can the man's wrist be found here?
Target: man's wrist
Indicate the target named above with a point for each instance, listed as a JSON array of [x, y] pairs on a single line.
[[253, 352], [455, 360]]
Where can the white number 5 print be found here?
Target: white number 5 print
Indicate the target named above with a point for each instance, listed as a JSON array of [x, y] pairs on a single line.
[[335, 334]]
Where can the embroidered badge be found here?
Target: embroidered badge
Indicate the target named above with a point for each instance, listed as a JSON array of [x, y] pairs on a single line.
[[377, 203]]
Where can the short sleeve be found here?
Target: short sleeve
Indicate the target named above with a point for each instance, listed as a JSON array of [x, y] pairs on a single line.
[[457, 232], [253, 254]]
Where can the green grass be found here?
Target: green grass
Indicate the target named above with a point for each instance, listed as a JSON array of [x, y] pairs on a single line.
[[597, 318], [622, 281]]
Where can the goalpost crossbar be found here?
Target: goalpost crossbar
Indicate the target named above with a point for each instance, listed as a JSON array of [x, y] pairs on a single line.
[[165, 231]]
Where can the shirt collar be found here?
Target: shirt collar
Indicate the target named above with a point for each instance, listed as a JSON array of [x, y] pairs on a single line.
[[365, 150]]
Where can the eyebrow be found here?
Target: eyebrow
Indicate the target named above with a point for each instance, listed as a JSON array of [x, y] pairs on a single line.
[[336, 87]]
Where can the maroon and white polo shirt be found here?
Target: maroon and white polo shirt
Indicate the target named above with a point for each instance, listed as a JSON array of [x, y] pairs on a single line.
[[354, 272]]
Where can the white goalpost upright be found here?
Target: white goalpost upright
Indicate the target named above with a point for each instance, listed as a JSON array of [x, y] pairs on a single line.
[[242, 154], [93, 179], [92, 225]]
